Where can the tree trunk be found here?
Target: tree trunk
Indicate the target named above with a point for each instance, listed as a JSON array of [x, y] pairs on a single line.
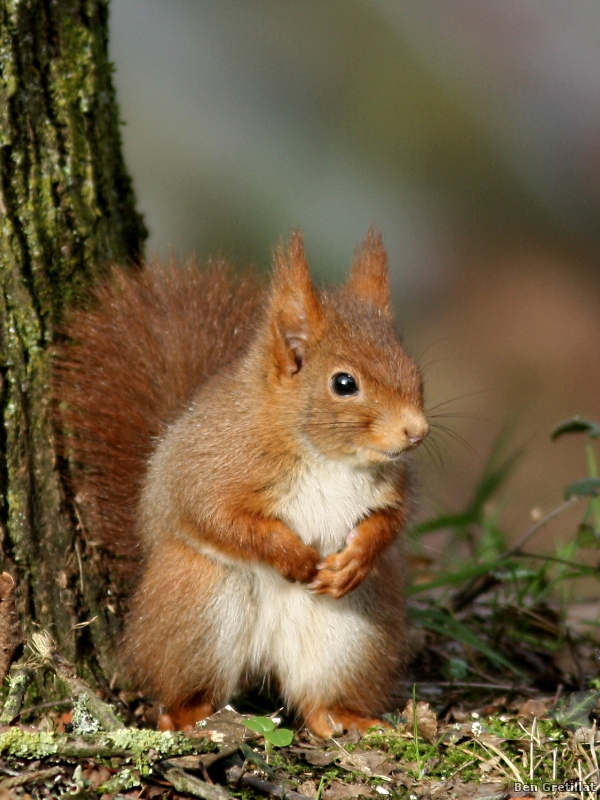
[[67, 212]]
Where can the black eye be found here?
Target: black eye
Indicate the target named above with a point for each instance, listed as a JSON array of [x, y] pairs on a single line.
[[344, 384]]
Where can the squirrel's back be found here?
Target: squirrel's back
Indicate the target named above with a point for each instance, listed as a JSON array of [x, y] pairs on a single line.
[[132, 362]]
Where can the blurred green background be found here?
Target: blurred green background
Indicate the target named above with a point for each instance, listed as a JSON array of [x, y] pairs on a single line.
[[467, 130]]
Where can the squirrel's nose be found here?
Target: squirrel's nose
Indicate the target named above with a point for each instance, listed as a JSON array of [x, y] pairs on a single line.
[[416, 427]]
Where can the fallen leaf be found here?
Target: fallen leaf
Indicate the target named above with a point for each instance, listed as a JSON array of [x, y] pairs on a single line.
[[498, 704], [308, 788], [97, 776], [224, 727], [151, 792], [532, 708], [317, 758], [455, 732], [351, 736], [490, 738], [367, 762], [426, 720], [457, 789], [459, 714], [340, 791]]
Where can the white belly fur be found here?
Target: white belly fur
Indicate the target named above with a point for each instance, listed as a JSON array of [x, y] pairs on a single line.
[[310, 642], [326, 501], [268, 627]]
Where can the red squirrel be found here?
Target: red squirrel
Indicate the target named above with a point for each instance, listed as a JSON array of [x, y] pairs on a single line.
[[252, 441]]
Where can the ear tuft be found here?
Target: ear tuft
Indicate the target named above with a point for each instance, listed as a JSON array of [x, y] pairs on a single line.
[[368, 279], [296, 313]]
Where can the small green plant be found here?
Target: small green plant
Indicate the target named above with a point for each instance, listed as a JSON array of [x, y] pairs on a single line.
[[273, 736]]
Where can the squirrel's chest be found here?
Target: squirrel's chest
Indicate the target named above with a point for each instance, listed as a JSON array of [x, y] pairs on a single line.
[[326, 500]]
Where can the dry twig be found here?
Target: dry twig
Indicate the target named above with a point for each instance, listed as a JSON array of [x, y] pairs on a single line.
[[237, 775], [182, 782]]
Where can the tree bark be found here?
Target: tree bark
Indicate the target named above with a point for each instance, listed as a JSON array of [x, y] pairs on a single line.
[[68, 211]]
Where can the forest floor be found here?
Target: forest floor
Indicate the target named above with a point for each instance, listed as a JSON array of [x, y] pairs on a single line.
[[502, 698]]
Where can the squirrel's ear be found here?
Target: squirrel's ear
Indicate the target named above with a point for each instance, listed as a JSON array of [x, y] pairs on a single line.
[[296, 314], [368, 279]]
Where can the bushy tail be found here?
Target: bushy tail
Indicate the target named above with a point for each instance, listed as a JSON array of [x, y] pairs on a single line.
[[132, 361]]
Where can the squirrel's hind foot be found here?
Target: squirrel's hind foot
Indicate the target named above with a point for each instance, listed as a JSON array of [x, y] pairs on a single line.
[[185, 716], [328, 722]]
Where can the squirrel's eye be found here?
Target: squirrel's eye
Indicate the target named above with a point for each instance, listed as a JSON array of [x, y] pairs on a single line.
[[344, 384]]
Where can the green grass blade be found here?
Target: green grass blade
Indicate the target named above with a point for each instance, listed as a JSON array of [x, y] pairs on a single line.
[[440, 621], [455, 577]]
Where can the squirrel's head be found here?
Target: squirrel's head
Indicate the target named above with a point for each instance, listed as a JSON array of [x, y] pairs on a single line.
[[336, 361]]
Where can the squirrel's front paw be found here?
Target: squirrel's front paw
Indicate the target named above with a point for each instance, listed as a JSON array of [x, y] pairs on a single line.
[[340, 573], [300, 564]]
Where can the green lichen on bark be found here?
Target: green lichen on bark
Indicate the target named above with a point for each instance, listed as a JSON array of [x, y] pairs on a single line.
[[67, 211], [143, 747]]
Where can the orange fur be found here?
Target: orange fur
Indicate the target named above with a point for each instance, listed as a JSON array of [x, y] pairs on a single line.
[[266, 503]]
